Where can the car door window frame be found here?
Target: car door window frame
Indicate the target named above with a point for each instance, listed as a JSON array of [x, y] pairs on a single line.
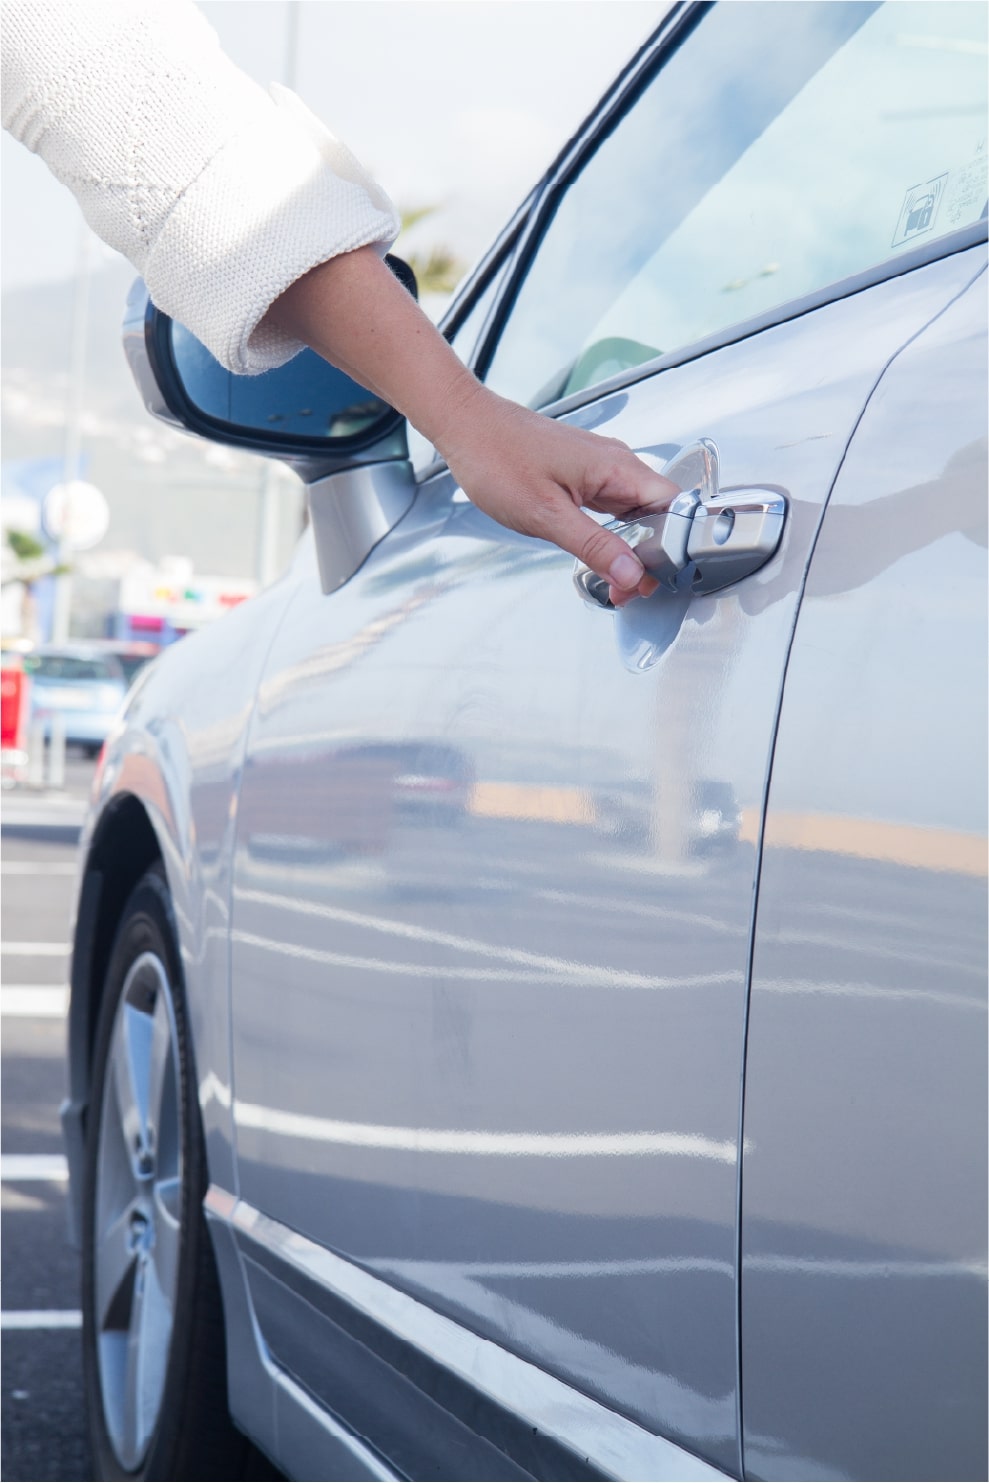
[[495, 267]]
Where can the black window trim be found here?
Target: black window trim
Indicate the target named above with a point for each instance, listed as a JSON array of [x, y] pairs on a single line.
[[487, 268], [679, 21], [530, 219]]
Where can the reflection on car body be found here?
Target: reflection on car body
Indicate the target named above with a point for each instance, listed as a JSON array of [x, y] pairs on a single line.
[[516, 1144]]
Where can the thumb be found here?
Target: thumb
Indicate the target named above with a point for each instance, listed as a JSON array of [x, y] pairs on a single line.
[[603, 551]]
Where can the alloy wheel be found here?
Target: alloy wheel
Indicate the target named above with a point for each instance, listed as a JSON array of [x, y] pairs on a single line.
[[138, 1208]]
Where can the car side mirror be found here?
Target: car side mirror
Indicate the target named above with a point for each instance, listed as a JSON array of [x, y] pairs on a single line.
[[306, 407]]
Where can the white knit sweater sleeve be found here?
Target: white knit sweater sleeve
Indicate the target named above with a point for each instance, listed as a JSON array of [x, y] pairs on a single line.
[[219, 193]]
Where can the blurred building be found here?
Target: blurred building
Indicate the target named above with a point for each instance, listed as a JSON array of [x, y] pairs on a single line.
[[162, 603]]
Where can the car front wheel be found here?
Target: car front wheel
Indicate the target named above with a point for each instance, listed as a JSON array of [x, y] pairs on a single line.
[[153, 1343]]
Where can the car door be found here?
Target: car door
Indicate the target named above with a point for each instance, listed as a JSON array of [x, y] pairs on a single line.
[[864, 1190], [497, 847]]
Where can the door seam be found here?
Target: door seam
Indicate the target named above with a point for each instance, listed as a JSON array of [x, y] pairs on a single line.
[[757, 874]]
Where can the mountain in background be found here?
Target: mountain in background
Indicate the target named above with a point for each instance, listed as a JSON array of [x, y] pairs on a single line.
[[37, 334], [169, 494]]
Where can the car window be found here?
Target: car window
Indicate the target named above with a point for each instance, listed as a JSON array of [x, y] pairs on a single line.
[[782, 147], [71, 667]]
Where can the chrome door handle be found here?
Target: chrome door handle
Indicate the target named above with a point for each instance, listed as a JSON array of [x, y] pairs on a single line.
[[733, 536], [705, 540], [659, 541]]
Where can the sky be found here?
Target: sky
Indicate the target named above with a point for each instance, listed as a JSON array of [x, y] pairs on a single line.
[[459, 104]]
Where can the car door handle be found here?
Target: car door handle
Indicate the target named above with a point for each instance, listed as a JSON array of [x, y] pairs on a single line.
[[705, 540]]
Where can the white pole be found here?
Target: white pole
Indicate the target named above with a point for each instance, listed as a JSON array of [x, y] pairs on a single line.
[[291, 42], [56, 752], [36, 755], [62, 614], [267, 556], [267, 564]]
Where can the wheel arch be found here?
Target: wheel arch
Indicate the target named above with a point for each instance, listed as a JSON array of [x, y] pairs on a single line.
[[123, 847]]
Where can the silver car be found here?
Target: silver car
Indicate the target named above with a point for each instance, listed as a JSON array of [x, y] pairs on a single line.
[[514, 1038]]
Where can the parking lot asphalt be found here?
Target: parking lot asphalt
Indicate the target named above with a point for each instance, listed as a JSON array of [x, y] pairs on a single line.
[[42, 1416]]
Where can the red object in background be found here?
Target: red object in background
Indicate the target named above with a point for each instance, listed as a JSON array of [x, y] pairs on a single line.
[[15, 688]]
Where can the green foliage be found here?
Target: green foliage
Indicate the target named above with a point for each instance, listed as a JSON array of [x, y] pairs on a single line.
[[438, 270], [32, 561], [24, 546], [409, 215]]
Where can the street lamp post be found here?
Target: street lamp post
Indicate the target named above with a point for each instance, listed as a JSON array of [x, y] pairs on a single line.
[[267, 558], [72, 457]]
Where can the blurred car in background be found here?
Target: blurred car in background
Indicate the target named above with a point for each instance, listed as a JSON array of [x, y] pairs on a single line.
[[81, 685]]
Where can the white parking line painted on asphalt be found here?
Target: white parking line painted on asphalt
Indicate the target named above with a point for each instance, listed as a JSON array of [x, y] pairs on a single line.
[[42, 1318], [37, 867], [27, 1001], [35, 949], [38, 813], [18, 1168]]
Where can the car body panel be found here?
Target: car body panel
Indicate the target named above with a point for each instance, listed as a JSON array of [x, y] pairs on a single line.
[[439, 1401], [864, 1188], [177, 750], [543, 1146]]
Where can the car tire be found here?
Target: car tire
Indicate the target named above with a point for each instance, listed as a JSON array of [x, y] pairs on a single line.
[[154, 1353]]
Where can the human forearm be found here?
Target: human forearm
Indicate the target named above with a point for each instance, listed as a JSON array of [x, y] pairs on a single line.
[[355, 313], [530, 473], [219, 193]]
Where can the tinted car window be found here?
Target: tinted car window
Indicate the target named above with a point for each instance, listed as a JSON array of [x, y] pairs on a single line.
[[781, 148], [70, 667]]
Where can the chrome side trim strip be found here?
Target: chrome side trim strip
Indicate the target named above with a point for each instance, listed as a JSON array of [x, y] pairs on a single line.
[[270, 1406], [611, 1444], [298, 1412]]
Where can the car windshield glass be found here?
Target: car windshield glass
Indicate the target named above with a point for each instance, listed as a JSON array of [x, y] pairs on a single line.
[[66, 667], [781, 148]]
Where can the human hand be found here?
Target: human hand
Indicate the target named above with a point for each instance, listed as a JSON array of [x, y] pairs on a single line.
[[538, 476], [528, 472]]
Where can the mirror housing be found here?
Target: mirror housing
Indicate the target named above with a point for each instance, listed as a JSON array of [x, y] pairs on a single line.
[[356, 469], [306, 412]]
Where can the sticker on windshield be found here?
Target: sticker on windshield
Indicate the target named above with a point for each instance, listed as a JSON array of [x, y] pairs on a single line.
[[965, 195], [919, 210]]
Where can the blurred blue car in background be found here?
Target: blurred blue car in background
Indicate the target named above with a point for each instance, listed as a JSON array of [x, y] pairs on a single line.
[[81, 684]]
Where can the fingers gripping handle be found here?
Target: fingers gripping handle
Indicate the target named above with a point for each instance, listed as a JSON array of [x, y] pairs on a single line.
[[722, 538]]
